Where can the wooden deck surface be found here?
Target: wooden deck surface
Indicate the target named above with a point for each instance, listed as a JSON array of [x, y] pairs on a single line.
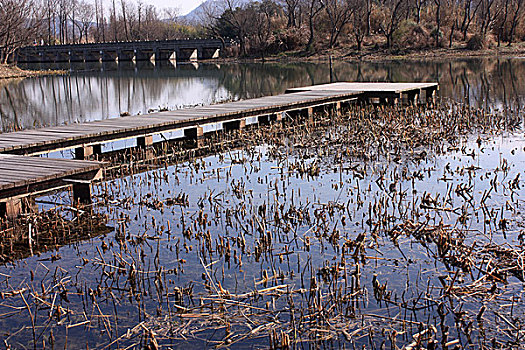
[[106, 130], [69, 136], [22, 172], [366, 87]]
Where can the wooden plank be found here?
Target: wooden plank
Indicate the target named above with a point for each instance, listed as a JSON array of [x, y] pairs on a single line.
[[30, 164], [20, 171]]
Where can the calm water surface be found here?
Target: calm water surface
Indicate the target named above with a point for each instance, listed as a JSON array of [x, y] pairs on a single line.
[[92, 279], [100, 91]]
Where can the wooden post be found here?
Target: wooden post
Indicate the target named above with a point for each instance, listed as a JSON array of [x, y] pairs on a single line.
[[11, 208], [310, 115], [337, 106], [278, 117], [82, 191], [310, 111], [195, 135], [83, 152], [86, 151], [144, 141]]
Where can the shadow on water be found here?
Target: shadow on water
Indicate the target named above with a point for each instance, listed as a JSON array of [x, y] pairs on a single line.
[[94, 91]]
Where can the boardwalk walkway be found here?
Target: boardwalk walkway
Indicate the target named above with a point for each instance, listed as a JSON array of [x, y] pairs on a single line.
[[21, 175]]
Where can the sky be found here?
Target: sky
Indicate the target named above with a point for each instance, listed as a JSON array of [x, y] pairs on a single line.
[[184, 6]]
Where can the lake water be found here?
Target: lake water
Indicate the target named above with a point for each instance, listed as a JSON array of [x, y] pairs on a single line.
[[100, 91], [389, 227]]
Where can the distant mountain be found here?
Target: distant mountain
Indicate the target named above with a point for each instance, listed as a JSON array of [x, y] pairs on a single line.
[[216, 7]]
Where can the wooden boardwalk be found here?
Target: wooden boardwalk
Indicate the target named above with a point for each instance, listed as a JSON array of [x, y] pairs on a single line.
[[375, 88], [20, 176], [27, 176], [71, 136], [50, 139]]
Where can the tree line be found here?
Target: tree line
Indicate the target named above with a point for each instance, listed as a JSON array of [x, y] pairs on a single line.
[[269, 26], [54, 22]]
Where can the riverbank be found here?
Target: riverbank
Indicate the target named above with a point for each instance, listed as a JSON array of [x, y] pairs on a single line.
[[459, 51], [13, 72], [371, 53]]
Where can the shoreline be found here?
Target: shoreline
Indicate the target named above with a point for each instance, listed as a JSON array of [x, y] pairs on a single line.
[[345, 55], [341, 54], [8, 72]]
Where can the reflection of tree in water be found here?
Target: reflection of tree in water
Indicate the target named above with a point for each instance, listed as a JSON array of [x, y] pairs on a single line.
[[479, 82], [106, 90], [94, 95]]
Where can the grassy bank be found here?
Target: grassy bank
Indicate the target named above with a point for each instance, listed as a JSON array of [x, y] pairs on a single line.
[[12, 72]]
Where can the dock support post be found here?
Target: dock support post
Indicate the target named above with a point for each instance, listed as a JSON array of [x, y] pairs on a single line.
[[310, 115], [234, 125], [195, 135], [337, 107], [85, 151], [144, 141], [11, 208], [82, 192], [310, 111], [277, 117], [263, 119]]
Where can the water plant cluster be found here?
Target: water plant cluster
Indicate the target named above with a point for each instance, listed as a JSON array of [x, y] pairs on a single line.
[[377, 227]]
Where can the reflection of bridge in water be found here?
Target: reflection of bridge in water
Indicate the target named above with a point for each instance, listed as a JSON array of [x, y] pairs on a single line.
[[174, 50]]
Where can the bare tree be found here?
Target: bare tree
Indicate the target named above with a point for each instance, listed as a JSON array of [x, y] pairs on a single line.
[[419, 4], [314, 8], [124, 8], [264, 15], [437, 4], [100, 32], [85, 13], [393, 14], [291, 7], [240, 20], [470, 8], [339, 13], [360, 20], [516, 16], [487, 13], [50, 8], [172, 13], [20, 24]]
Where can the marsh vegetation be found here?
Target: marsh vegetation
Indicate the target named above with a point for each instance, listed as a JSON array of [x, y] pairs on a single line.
[[381, 226]]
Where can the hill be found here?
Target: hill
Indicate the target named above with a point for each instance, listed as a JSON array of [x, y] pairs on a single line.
[[215, 7]]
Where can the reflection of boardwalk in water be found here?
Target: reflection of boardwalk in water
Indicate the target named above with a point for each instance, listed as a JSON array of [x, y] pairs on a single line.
[[25, 236], [21, 176]]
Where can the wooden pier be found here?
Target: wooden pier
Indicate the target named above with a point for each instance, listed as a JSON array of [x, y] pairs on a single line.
[[22, 176], [26, 176], [382, 92]]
